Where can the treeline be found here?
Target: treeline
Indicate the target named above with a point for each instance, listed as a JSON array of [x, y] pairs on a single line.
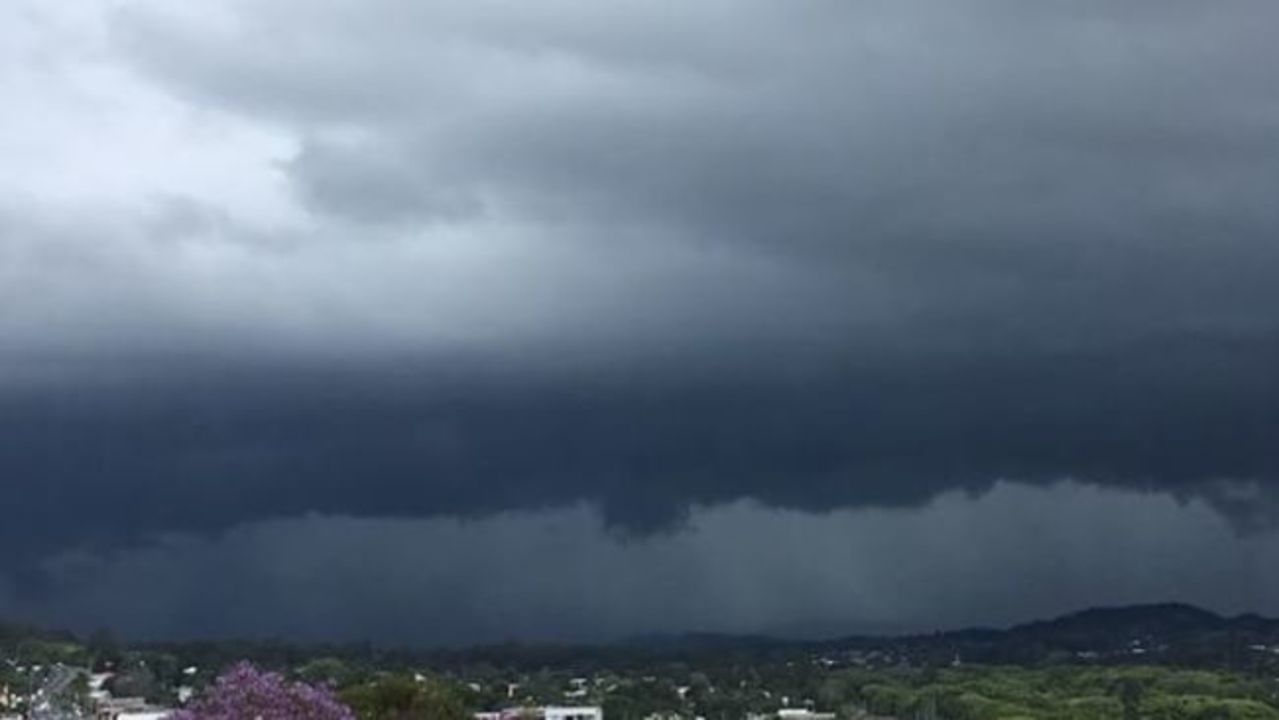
[[1058, 693]]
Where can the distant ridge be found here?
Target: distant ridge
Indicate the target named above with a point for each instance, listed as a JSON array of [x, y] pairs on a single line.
[[1175, 633], [1161, 616], [1124, 619]]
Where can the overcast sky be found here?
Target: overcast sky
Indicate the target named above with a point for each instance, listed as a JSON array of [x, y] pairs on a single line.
[[473, 320]]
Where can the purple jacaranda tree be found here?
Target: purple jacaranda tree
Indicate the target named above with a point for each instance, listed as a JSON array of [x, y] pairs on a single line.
[[246, 693]]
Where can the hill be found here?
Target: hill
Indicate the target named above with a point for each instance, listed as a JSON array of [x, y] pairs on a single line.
[[1168, 633]]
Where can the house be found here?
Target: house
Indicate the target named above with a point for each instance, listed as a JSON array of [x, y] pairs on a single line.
[[579, 712], [803, 714], [549, 712]]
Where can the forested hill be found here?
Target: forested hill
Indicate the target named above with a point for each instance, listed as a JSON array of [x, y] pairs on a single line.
[[1167, 632], [1164, 633]]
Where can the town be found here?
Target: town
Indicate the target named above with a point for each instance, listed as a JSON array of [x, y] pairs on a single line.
[[1167, 662]]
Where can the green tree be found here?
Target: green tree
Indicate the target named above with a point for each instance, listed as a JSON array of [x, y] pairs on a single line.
[[328, 670], [1129, 690], [105, 649], [401, 697]]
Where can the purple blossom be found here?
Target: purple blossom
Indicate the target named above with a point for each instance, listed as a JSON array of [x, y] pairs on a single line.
[[246, 693]]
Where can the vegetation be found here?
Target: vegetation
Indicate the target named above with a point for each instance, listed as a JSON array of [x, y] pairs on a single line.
[[1056, 693], [245, 692], [404, 697]]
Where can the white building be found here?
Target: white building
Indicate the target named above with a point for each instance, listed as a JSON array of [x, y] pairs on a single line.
[[549, 712], [803, 714], [578, 712]]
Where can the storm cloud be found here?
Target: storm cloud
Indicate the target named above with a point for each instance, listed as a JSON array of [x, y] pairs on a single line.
[[392, 262]]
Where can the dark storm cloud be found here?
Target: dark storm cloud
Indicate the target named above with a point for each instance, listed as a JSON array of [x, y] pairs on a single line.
[[382, 259], [121, 464]]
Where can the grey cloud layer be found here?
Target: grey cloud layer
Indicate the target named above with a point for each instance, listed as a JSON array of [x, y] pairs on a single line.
[[850, 177], [974, 176]]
